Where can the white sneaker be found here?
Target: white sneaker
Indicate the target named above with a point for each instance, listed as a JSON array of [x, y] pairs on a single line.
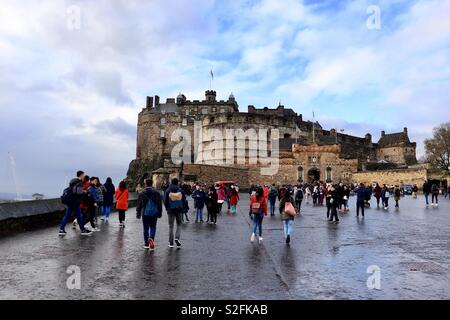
[[96, 229], [260, 239], [74, 224], [252, 238], [102, 218]]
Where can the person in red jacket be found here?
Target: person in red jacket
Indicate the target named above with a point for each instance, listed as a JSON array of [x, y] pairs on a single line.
[[121, 196], [258, 209], [234, 199]]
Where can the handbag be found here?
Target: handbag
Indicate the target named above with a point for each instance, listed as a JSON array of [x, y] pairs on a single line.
[[289, 209]]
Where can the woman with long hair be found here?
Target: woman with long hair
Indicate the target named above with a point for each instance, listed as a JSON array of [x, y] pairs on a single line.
[[258, 209], [121, 196]]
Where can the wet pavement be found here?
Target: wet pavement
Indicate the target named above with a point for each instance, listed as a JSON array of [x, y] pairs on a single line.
[[411, 247]]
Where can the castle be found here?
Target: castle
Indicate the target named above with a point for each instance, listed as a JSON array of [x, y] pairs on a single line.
[[306, 151]]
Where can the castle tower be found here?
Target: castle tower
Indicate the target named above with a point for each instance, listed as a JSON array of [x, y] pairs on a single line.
[[210, 95]]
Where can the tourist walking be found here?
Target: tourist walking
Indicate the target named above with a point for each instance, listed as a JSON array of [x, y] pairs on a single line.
[[221, 197], [273, 193], [426, 191], [299, 198], [212, 205], [334, 204], [288, 213], [397, 196], [434, 195], [385, 195], [92, 203], [100, 189], [234, 199], [258, 209], [71, 198], [121, 196], [360, 198], [377, 194], [149, 208], [199, 197], [108, 199], [174, 201], [345, 198], [415, 189], [328, 195]]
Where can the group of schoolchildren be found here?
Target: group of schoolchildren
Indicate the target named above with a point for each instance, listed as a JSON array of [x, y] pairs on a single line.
[[87, 198]]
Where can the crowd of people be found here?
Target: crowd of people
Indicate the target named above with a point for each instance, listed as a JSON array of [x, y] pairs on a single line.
[[88, 199]]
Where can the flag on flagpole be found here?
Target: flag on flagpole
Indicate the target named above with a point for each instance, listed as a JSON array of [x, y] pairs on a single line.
[[212, 74]]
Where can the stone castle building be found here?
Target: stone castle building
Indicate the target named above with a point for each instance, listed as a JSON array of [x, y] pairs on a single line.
[[306, 150]]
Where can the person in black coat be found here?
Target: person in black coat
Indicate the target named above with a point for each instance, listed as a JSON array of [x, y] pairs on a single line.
[[212, 205], [108, 198]]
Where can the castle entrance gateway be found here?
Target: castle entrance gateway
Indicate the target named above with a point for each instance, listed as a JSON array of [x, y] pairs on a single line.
[[313, 175]]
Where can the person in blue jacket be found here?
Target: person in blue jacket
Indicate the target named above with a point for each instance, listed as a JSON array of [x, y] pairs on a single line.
[[175, 203], [92, 203], [361, 195], [199, 197]]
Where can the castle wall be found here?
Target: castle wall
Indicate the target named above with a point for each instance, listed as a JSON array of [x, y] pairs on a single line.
[[392, 177]]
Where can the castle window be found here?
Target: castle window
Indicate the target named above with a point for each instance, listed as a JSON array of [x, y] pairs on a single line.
[[212, 120], [163, 121], [214, 109], [187, 112], [222, 110], [329, 175], [300, 174], [204, 111], [162, 133], [184, 122], [287, 135]]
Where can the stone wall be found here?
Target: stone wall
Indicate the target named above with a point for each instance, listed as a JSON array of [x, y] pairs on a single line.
[[395, 177], [210, 174], [23, 216]]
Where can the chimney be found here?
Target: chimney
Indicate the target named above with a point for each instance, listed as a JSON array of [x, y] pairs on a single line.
[[405, 130], [369, 137], [383, 133], [149, 102], [156, 101]]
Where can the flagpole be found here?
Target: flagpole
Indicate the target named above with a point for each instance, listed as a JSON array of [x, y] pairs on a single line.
[[314, 133]]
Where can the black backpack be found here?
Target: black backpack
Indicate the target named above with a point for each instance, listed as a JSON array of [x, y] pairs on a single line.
[[68, 197]]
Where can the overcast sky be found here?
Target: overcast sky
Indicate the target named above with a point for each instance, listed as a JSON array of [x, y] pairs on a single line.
[[69, 96]]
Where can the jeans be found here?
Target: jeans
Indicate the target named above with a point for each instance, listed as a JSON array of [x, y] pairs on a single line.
[[272, 206], [257, 223], [328, 211], [149, 223], [334, 214], [174, 215], [91, 213], [386, 202], [298, 204], [78, 214], [434, 197], [426, 198], [288, 227], [198, 214], [360, 204], [106, 211]]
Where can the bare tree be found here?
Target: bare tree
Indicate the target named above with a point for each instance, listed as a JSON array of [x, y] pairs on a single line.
[[437, 149]]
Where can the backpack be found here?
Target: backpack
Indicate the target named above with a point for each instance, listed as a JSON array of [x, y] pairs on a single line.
[[176, 200], [299, 195], [68, 198], [257, 208], [150, 209], [273, 194]]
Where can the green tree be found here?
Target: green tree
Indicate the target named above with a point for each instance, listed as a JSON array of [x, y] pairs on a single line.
[[437, 149]]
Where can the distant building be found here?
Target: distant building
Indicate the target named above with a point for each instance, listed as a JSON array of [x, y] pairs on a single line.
[[37, 196]]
